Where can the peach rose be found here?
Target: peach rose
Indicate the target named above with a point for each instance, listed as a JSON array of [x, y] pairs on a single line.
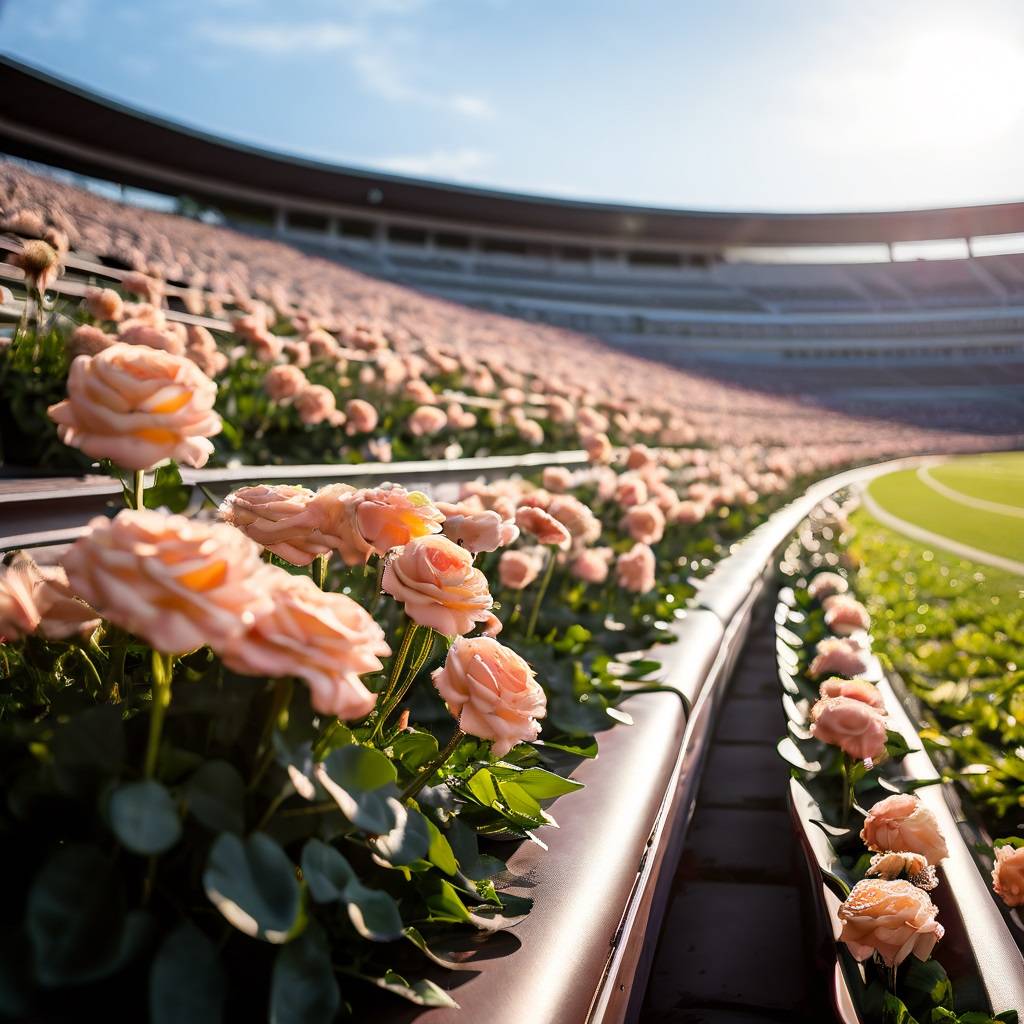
[[1008, 875], [591, 565], [901, 822], [576, 517], [326, 639], [284, 381], [144, 286], [556, 479], [855, 689], [362, 417], [438, 585], [539, 524], [321, 344], [477, 531], [88, 340], [912, 866], [19, 614], [164, 339], [688, 513], [841, 656], [175, 582], [315, 404], [138, 406], [844, 615], [277, 517], [890, 918], [491, 626], [644, 523], [518, 569], [426, 420], [390, 516], [634, 570], [103, 304], [531, 432], [598, 447], [853, 726], [492, 693], [631, 490], [639, 457], [825, 584]]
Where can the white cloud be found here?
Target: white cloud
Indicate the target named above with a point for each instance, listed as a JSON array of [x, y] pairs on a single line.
[[281, 39], [451, 164], [383, 76]]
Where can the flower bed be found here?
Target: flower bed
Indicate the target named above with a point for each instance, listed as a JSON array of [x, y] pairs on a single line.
[[876, 834]]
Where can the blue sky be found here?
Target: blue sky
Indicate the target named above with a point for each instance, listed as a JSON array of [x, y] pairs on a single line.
[[714, 104]]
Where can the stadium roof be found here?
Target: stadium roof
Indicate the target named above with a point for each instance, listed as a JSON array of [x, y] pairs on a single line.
[[43, 118]]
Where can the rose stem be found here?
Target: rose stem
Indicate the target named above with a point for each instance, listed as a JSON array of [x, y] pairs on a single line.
[[548, 573], [847, 787], [163, 668], [140, 487], [424, 776], [279, 701], [321, 571], [396, 668], [418, 661]]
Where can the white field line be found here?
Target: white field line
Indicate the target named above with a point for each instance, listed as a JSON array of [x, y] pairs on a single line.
[[966, 499], [918, 533]]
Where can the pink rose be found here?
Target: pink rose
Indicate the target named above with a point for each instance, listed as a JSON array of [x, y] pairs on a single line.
[[844, 615], [438, 585], [138, 407], [491, 626], [902, 823], [518, 569], [321, 344], [362, 417], [576, 517], [277, 516], [841, 656], [891, 918], [177, 583], [19, 614], [492, 693], [855, 689], [639, 457], [165, 339], [644, 523], [1008, 875], [688, 513], [326, 639], [634, 570], [284, 381], [591, 565], [477, 531], [315, 404], [103, 304], [825, 584], [556, 479], [88, 340], [426, 420], [598, 447], [531, 432], [631, 490], [539, 524], [38, 599], [853, 726], [145, 287]]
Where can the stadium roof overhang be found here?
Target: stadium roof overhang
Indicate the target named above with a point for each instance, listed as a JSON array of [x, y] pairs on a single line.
[[43, 118]]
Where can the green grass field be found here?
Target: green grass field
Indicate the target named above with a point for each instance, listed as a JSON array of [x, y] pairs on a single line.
[[995, 478]]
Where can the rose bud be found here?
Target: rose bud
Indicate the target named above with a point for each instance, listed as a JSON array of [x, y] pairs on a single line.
[[1008, 875]]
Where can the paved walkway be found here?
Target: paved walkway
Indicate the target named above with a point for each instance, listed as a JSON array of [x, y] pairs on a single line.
[[919, 533], [732, 949]]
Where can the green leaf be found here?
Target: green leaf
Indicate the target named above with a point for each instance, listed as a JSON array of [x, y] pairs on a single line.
[[215, 797], [326, 871], [186, 981], [422, 993], [76, 921], [252, 883], [539, 783], [362, 783], [440, 851], [144, 817], [583, 746], [167, 490], [303, 989], [444, 902], [409, 839], [414, 749], [373, 913], [924, 985], [895, 745], [88, 750], [472, 863]]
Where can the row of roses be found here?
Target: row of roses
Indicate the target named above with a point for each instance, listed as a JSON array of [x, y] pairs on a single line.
[[887, 915]]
